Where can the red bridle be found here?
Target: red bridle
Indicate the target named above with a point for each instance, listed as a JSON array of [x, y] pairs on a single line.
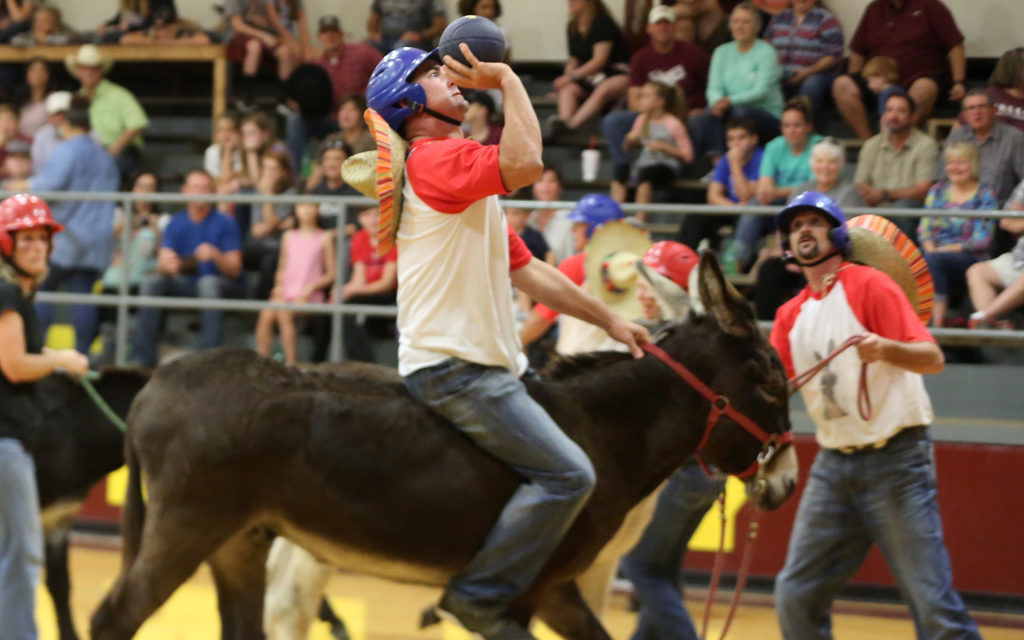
[[720, 405]]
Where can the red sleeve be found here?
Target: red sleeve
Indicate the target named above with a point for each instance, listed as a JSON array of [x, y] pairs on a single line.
[[785, 317], [944, 26], [391, 256], [359, 249], [518, 254], [572, 267], [450, 174], [886, 311]]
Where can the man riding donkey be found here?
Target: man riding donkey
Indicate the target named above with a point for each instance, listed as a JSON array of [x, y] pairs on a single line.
[[458, 348], [873, 481]]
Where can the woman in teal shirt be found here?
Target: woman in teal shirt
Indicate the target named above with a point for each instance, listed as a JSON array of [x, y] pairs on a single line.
[[745, 81]]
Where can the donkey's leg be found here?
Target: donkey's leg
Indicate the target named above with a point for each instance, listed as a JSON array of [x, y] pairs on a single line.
[[239, 574], [563, 609], [175, 540], [295, 586]]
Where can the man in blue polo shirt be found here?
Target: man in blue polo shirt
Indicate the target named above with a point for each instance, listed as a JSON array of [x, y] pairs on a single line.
[[200, 255]]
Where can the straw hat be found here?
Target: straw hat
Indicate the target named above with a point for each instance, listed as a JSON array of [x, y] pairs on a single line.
[[88, 55], [610, 266], [378, 174], [879, 243]]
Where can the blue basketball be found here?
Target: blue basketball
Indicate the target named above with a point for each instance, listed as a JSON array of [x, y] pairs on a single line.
[[483, 37]]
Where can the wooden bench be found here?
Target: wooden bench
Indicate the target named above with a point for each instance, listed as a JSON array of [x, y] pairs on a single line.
[[215, 54]]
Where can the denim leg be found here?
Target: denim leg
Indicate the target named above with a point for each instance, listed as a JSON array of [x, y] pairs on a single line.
[[21, 541], [84, 317], [45, 311], [615, 126], [708, 134], [492, 407], [296, 135], [828, 544], [749, 229], [146, 336], [767, 124], [818, 88], [900, 505], [949, 270], [211, 321], [654, 563]]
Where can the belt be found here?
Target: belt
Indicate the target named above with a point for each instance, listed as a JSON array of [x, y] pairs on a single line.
[[906, 434]]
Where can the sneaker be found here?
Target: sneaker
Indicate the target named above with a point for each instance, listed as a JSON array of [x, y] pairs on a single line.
[[491, 624]]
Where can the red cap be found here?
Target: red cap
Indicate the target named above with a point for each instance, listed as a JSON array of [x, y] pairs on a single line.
[[23, 211], [673, 260]]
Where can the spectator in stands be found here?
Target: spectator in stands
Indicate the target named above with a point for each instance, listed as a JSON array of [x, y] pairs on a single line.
[[169, 29], [553, 223], [880, 75], [46, 139], [132, 15], [997, 286], [305, 268], [326, 180], [744, 83], [951, 245], [809, 40], [787, 159], [199, 256], [257, 131], [31, 97], [1000, 146], [17, 164], [8, 130], [223, 159], [595, 74], [48, 28], [15, 17], [313, 103], [518, 219], [405, 23], [374, 280], [263, 30], [1006, 87], [923, 37], [702, 22], [667, 60], [85, 249], [353, 128], [481, 119], [734, 181], [827, 160], [269, 221], [665, 145], [116, 116], [897, 167], [490, 9]]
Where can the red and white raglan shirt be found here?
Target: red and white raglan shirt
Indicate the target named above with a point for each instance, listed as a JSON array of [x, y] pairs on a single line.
[[811, 325], [575, 335], [455, 254]]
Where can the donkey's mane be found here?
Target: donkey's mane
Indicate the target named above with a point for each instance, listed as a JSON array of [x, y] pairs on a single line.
[[562, 367]]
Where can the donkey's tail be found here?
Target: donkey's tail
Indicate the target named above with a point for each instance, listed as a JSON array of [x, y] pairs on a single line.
[[134, 507]]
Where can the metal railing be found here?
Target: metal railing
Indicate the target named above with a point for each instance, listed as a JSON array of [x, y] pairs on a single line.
[[123, 300]]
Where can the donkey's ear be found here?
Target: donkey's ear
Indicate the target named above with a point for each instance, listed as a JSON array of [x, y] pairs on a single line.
[[720, 298], [674, 302]]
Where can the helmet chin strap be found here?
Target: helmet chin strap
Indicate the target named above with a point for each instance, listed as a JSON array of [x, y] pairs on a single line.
[[435, 114]]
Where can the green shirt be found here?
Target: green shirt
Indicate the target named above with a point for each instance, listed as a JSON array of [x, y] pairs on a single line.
[[751, 79], [113, 111], [884, 167], [786, 169]]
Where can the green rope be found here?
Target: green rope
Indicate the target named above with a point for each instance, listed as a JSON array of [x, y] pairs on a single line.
[[101, 404]]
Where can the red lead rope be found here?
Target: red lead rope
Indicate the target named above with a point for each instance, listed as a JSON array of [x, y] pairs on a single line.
[[863, 398]]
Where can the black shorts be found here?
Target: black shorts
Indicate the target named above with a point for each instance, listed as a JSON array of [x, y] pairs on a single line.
[[870, 100], [659, 175]]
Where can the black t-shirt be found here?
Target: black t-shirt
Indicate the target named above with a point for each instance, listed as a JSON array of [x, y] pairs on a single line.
[[20, 415], [330, 211], [535, 242], [602, 29]]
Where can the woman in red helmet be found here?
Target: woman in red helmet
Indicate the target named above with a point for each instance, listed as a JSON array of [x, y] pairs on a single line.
[[26, 232]]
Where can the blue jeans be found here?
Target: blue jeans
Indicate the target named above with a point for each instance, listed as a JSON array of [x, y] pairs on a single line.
[[949, 270], [21, 541], [885, 497], [749, 229], [298, 131], [653, 565], [615, 126], [817, 87], [491, 407], [147, 323], [708, 130], [84, 317]]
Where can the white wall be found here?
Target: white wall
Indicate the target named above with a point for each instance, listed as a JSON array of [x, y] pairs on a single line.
[[537, 27]]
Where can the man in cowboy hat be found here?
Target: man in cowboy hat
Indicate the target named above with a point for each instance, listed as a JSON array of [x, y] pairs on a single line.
[[116, 116], [458, 347], [873, 481]]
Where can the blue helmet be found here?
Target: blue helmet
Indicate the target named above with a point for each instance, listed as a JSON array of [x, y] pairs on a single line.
[[595, 209], [819, 203], [390, 92]]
